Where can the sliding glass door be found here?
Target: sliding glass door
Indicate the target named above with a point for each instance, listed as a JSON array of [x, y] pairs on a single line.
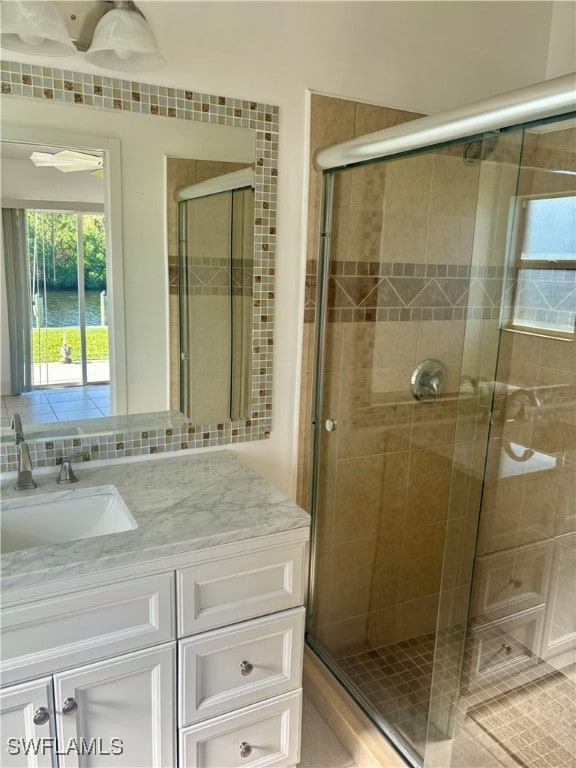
[[66, 259]]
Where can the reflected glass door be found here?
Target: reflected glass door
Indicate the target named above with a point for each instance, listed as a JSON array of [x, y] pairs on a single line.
[[67, 279], [215, 304]]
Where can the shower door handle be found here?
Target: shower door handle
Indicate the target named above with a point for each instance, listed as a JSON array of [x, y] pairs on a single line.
[[330, 425]]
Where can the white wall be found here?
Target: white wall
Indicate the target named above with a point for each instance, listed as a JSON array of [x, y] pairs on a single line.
[[420, 56], [562, 48]]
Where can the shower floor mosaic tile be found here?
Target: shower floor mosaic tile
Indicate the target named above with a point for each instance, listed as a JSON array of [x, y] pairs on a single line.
[[396, 679], [532, 726]]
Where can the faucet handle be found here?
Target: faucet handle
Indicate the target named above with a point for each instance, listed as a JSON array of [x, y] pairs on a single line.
[[16, 425], [67, 476]]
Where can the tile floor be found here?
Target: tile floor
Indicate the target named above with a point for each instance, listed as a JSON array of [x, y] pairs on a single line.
[[57, 404], [320, 745], [533, 725]]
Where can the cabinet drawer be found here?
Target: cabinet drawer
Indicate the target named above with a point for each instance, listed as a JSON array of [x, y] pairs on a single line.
[[238, 588], [262, 735], [231, 668], [512, 581], [506, 646], [46, 636]]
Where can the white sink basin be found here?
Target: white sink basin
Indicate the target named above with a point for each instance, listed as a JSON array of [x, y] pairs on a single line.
[[52, 518]]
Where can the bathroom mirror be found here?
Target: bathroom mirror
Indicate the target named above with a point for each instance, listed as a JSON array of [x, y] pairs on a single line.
[[226, 132]]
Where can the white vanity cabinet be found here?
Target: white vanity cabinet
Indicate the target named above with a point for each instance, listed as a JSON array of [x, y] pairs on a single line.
[[118, 713], [196, 665], [27, 725]]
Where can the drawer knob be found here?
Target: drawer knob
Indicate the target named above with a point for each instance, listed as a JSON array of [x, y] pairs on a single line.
[[70, 707], [41, 716], [246, 668], [245, 749]]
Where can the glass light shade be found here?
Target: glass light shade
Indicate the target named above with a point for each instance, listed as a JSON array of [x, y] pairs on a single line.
[[124, 41], [34, 27]]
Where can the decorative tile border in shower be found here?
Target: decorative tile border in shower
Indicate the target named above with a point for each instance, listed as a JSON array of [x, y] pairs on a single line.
[[96, 91], [211, 277], [370, 291]]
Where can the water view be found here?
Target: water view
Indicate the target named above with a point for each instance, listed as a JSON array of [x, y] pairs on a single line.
[[62, 309]]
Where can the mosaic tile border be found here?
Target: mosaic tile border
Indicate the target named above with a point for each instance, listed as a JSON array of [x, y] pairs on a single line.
[[369, 291], [49, 453], [29, 81]]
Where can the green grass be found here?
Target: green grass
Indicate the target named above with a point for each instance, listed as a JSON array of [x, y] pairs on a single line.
[[46, 343]]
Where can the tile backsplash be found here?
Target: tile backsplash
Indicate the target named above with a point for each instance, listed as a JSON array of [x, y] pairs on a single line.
[[148, 436]]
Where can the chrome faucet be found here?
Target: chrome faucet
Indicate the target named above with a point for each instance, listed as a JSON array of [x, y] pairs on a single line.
[[66, 475], [25, 481]]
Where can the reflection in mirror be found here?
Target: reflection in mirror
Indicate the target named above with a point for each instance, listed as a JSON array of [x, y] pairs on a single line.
[[215, 231], [211, 257], [54, 256], [157, 124]]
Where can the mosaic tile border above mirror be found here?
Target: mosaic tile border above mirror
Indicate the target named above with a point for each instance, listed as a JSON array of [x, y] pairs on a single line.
[[30, 81]]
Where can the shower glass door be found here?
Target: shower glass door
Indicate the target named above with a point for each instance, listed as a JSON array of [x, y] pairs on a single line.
[[415, 274]]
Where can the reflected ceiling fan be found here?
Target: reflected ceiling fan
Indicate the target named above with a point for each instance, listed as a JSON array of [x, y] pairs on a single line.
[[69, 161]]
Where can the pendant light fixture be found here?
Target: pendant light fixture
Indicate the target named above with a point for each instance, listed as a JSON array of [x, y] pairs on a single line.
[[123, 40], [34, 27], [115, 35]]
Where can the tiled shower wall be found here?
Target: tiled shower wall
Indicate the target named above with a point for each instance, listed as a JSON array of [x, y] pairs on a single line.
[[400, 287], [417, 268]]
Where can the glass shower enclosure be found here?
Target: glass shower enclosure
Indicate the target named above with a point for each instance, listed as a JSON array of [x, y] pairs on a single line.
[[444, 503]]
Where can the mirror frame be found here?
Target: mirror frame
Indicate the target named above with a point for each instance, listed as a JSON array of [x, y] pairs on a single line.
[[27, 81]]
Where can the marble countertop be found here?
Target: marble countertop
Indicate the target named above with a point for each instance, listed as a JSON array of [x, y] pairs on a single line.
[[181, 504]]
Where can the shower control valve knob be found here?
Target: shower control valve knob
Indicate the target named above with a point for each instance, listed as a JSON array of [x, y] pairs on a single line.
[[507, 647], [330, 425]]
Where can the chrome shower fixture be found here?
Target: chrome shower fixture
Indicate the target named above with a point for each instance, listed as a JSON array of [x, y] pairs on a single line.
[[428, 380], [480, 149]]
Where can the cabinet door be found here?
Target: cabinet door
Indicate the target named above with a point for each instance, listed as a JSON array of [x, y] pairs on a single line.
[[118, 713], [27, 725]]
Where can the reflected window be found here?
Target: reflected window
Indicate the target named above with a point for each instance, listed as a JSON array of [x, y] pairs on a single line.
[[545, 291]]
